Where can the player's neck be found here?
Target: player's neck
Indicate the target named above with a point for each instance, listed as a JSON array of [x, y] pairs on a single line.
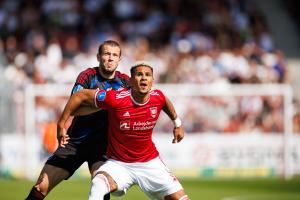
[[106, 75], [138, 98]]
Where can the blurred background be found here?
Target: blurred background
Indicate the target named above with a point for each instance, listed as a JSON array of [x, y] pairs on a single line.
[[231, 67]]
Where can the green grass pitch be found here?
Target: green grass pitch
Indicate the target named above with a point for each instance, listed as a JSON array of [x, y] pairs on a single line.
[[197, 189]]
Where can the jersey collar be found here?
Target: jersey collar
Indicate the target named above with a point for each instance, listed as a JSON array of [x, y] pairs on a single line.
[[137, 103]]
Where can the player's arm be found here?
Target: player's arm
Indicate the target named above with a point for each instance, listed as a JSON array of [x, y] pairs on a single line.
[[82, 82], [85, 110], [85, 97], [178, 130]]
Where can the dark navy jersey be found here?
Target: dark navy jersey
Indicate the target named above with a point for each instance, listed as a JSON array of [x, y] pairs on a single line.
[[95, 124]]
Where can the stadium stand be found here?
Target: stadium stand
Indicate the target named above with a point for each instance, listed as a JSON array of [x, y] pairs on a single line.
[[203, 42]]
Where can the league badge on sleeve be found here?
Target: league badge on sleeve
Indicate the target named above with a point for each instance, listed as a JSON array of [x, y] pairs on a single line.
[[77, 88], [101, 94]]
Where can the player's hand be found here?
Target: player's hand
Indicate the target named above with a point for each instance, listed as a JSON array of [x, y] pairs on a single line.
[[62, 136], [178, 134]]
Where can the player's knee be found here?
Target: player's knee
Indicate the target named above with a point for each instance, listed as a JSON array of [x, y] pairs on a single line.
[[184, 197], [179, 195], [34, 194], [42, 188], [42, 185], [99, 187], [110, 181]]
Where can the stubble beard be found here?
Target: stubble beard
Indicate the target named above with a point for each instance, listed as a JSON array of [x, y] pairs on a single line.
[[107, 72]]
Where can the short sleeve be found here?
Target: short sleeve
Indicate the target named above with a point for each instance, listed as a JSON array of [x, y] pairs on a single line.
[[99, 98], [161, 97], [83, 79], [104, 99]]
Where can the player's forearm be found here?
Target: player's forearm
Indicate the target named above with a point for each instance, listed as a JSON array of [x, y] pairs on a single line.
[[80, 103], [85, 110], [170, 110], [73, 104]]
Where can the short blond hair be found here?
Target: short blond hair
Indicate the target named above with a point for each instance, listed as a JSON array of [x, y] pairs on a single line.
[[139, 64]]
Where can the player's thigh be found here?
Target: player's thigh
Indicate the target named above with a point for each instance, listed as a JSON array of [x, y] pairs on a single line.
[[119, 175], [95, 152], [69, 158], [156, 180], [50, 176]]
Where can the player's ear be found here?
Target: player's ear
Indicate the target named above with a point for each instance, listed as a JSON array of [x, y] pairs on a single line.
[[130, 81], [98, 57]]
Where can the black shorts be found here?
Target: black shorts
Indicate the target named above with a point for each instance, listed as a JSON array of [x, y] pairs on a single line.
[[73, 155]]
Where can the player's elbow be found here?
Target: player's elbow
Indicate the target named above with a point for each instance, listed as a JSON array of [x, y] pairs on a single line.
[[85, 97]]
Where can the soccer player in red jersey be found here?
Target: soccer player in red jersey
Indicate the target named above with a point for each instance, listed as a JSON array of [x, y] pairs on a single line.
[[132, 155]]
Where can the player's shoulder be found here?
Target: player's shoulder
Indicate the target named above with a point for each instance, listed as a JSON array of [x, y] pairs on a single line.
[[156, 92], [85, 75], [114, 96], [121, 75], [88, 71], [118, 94], [157, 95], [125, 92]]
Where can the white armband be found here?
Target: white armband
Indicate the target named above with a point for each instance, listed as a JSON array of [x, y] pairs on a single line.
[[177, 122]]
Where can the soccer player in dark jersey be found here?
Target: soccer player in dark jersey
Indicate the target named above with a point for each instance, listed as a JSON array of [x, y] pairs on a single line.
[[87, 135], [132, 155]]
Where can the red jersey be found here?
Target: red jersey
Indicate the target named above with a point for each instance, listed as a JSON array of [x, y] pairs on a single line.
[[130, 124]]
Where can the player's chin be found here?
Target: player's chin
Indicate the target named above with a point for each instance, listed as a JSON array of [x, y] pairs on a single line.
[[144, 91], [109, 69]]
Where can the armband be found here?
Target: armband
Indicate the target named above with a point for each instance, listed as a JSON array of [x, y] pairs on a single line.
[[177, 122]]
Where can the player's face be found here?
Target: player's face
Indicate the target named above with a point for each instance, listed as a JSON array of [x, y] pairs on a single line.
[[109, 58], [142, 80]]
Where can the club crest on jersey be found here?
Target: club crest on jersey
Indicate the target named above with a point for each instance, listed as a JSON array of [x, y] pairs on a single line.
[[125, 125], [153, 111], [101, 95]]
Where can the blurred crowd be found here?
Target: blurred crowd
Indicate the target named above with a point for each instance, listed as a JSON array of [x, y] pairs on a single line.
[[187, 41]]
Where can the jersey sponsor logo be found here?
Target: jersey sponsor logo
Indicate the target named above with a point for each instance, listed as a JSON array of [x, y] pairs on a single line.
[[125, 125], [143, 125], [126, 114], [153, 111], [101, 95]]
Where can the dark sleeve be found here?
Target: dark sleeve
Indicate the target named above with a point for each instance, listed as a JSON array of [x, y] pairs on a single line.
[[82, 81], [124, 78]]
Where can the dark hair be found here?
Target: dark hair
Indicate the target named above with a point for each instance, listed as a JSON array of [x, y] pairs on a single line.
[[139, 64], [109, 43]]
